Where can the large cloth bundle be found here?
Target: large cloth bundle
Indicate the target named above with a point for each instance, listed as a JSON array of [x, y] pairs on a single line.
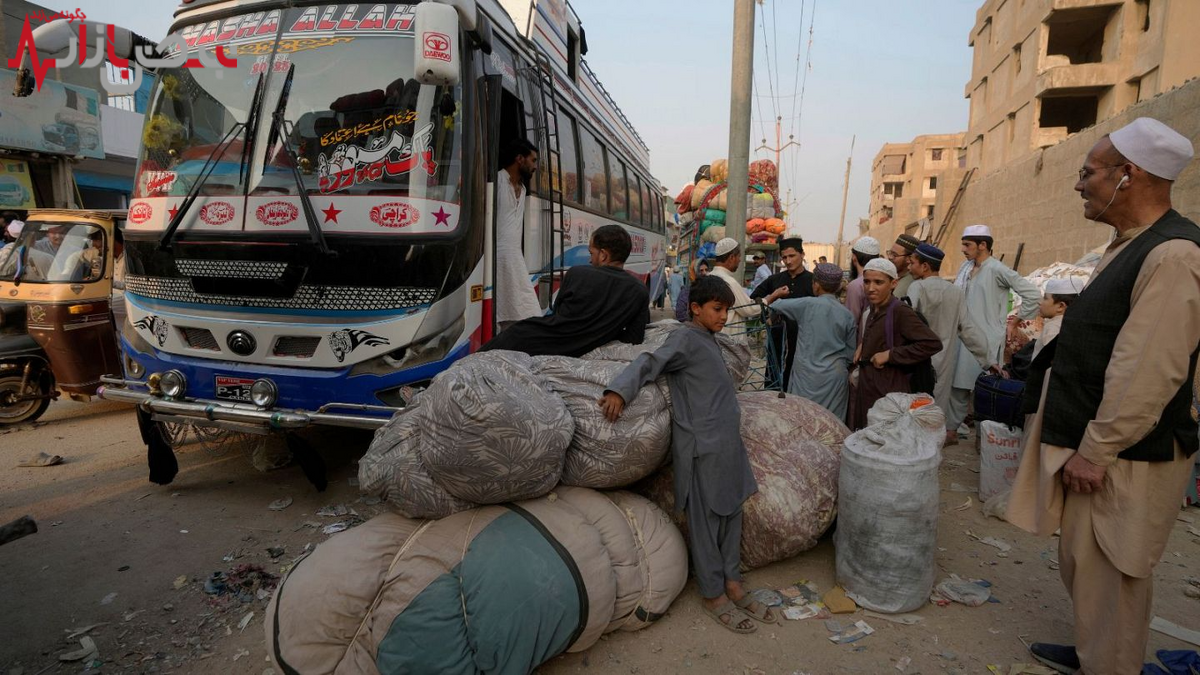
[[886, 539], [719, 170], [392, 470], [763, 172], [605, 454], [760, 205], [490, 430], [735, 351], [712, 233], [683, 201], [498, 589], [699, 192], [793, 445]]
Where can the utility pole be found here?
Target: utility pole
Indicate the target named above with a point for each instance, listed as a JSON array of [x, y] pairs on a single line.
[[778, 148], [837, 254], [742, 78]]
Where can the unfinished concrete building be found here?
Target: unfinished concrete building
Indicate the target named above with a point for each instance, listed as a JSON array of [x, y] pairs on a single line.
[[1046, 69], [909, 182]]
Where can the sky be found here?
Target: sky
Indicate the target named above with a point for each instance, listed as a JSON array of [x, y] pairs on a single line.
[[882, 70]]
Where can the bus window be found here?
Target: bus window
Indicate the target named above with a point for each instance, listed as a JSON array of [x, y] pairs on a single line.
[[596, 194], [635, 200], [570, 157], [619, 188]]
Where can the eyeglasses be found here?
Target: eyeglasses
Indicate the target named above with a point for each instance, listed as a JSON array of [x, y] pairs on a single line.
[[1086, 173], [892, 255]]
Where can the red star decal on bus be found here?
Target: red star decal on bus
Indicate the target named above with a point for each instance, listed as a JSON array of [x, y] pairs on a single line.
[[331, 214], [172, 211], [443, 218]]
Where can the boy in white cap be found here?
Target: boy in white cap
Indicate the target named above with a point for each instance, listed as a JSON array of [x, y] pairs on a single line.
[[728, 257], [1110, 448], [894, 337], [862, 252], [1060, 293], [987, 283]]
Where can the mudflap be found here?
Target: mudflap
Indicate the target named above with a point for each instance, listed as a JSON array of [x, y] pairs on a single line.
[[159, 455], [309, 460]]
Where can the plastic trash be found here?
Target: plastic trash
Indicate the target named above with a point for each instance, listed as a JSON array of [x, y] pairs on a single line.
[[962, 592], [1000, 456]]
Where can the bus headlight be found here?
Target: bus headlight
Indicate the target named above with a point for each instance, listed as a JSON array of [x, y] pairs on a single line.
[[173, 384], [263, 393]]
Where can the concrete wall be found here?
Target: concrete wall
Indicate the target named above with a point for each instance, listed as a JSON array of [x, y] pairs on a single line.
[[1033, 200]]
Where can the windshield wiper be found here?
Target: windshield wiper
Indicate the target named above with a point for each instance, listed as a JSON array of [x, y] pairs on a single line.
[[277, 133], [164, 244]]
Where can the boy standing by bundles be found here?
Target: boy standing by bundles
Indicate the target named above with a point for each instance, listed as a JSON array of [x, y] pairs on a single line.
[[712, 472]]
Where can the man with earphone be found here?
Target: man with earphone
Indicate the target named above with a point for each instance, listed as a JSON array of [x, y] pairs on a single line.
[[1108, 453]]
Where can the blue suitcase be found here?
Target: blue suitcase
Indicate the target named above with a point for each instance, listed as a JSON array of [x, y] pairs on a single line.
[[999, 399]]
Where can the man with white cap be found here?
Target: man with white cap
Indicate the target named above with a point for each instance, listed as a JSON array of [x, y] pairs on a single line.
[[728, 257], [944, 305], [987, 283], [862, 252], [895, 339], [1109, 450]]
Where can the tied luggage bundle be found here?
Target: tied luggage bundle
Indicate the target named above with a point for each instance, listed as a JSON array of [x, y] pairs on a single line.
[[496, 589], [793, 445], [886, 541], [735, 351], [764, 173]]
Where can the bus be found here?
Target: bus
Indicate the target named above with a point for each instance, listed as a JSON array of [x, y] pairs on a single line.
[[310, 237]]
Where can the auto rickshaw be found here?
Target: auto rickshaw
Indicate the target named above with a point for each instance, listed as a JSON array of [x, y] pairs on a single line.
[[62, 268]]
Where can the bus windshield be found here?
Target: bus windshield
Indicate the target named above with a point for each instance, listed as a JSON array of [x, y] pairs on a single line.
[[355, 120]]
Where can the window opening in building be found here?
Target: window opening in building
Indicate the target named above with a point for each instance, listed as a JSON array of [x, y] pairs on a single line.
[[572, 55], [962, 158], [895, 190], [933, 182], [1017, 59], [1078, 34], [1073, 112], [935, 155], [893, 165], [1144, 14], [887, 214], [929, 212]]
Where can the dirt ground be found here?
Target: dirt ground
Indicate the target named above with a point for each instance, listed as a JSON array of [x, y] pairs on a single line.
[[131, 558]]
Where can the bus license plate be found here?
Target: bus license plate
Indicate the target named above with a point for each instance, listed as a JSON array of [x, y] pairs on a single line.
[[233, 388]]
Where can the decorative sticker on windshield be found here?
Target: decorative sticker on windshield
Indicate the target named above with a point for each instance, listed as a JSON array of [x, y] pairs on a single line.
[[375, 126], [217, 213], [290, 46], [394, 214], [141, 212], [159, 182], [343, 342], [350, 165], [156, 326], [277, 214], [319, 20]]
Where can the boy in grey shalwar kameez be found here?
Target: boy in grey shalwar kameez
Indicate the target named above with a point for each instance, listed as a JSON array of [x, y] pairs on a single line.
[[712, 472]]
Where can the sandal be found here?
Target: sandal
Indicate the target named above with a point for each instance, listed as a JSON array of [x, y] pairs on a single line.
[[765, 616], [735, 617]]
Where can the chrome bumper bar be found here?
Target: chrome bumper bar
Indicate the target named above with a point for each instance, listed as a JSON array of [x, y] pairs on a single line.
[[243, 413]]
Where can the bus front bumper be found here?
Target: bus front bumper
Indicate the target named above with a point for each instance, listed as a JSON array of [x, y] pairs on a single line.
[[241, 416]]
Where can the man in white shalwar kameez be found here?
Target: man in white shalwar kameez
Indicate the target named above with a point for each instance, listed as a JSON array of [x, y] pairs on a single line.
[[987, 283], [516, 298]]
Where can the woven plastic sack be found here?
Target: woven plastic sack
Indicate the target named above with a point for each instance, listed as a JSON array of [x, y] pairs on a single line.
[[490, 430], [886, 541], [713, 234], [605, 454], [793, 446], [719, 170], [392, 470], [761, 205], [699, 191], [1000, 456]]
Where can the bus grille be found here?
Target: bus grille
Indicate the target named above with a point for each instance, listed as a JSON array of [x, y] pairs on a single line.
[[335, 298], [200, 338], [231, 269], [302, 347]]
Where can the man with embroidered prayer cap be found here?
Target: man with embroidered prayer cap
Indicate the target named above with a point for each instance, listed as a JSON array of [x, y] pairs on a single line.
[[1110, 448], [944, 306], [862, 252], [987, 283], [825, 341], [900, 254], [894, 337]]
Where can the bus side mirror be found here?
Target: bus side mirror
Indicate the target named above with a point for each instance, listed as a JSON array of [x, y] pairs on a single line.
[[436, 50]]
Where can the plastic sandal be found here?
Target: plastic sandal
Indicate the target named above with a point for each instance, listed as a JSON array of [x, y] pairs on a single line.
[[735, 617]]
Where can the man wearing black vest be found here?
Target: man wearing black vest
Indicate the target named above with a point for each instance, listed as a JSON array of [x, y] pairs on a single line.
[[1110, 448]]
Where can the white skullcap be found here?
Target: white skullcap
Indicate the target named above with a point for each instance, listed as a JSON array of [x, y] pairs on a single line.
[[1068, 286], [726, 245], [867, 245], [14, 228], [1154, 146], [977, 231], [881, 265]]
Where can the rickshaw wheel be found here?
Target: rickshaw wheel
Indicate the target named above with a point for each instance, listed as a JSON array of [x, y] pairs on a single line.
[[25, 411]]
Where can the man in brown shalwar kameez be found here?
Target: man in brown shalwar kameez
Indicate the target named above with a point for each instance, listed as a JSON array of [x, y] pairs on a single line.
[[1108, 452], [895, 337]]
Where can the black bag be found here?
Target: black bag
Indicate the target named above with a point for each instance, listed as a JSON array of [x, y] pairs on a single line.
[[999, 399], [921, 376]]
